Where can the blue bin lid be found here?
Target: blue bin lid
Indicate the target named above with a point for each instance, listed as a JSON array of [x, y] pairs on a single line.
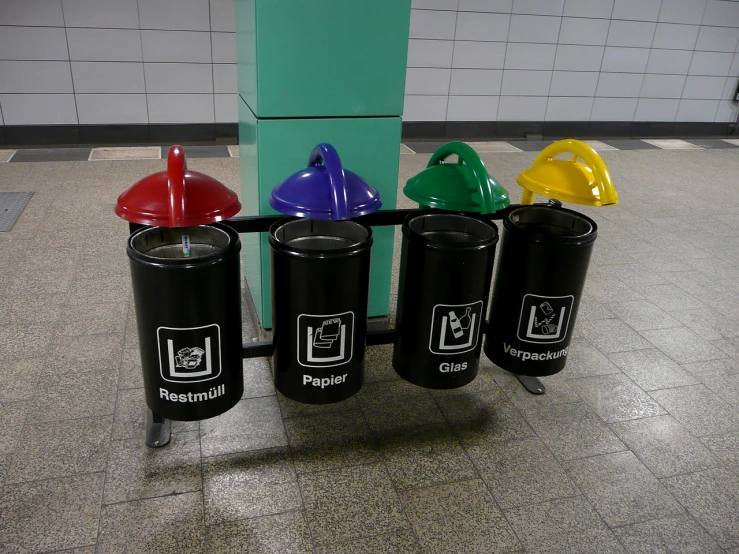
[[325, 190]]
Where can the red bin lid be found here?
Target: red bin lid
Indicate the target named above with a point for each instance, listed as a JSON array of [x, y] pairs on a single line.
[[177, 197]]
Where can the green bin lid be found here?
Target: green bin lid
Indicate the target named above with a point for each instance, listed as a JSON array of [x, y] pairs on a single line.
[[464, 186]]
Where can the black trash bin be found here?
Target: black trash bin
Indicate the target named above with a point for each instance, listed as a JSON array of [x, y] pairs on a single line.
[[187, 293], [445, 273], [320, 288], [544, 258]]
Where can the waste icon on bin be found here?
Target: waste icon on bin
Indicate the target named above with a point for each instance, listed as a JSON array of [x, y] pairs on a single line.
[[452, 333], [325, 341], [181, 358], [542, 322]]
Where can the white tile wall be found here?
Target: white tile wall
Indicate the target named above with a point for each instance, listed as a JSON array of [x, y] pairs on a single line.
[[682, 11], [224, 79], [491, 6], [569, 109], [176, 46], [601, 9], [626, 85], [573, 83], [436, 53], [178, 78], [104, 14], [576, 30], [46, 13], [174, 61], [678, 37], [111, 108], [222, 17], [717, 39], [38, 109], [104, 45], [181, 108], [23, 77], [522, 108], [472, 108], [185, 15], [534, 28], [475, 82], [434, 25], [108, 78], [526, 83], [33, 43], [482, 26], [636, 10], [425, 108]]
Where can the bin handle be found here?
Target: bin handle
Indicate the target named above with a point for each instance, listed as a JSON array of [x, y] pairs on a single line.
[[327, 154], [467, 155], [176, 169], [579, 150]]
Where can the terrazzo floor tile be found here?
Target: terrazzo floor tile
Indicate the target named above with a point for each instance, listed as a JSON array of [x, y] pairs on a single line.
[[622, 489], [725, 447], [50, 515], [671, 298], [484, 417], [726, 387], [378, 364], [131, 375], [651, 369], [130, 417], [521, 472], [350, 503], [729, 347], [673, 144], [683, 345], [712, 498], [708, 324], [398, 542], [40, 308], [94, 319], [19, 342], [564, 525], [573, 431], [51, 155], [12, 417], [19, 378], [635, 274], [673, 534], [273, 534], [424, 456], [291, 408], [249, 484], [127, 153], [136, 471], [33, 282], [615, 397], [88, 348], [5, 460], [712, 369], [664, 446], [6, 155], [484, 381], [101, 290], [59, 449], [253, 424], [641, 315], [392, 404], [585, 360], [331, 440], [257, 378], [590, 309], [166, 524], [458, 518], [698, 409], [613, 335], [558, 391]]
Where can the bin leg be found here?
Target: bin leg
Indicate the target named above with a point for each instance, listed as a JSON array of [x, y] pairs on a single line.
[[158, 430], [531, 384]]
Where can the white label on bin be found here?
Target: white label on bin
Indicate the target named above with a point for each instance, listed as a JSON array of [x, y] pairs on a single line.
[[189, 354], [455, 328], [544, 319], [325, 340]]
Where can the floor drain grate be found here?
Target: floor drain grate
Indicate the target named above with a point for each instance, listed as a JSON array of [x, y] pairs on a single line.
[[12, 205]]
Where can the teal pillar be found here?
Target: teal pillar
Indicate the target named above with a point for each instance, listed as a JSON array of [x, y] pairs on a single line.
[[321, 71]]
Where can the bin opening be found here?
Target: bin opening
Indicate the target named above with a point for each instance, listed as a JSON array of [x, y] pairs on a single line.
[[320, 234], [550, 222], [167, 243], [452, 230]]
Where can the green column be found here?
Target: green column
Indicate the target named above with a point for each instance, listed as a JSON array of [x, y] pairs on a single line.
[[321, 71]]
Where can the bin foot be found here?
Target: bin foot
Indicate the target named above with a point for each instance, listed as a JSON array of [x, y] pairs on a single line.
[[158, 430], [531, 384]]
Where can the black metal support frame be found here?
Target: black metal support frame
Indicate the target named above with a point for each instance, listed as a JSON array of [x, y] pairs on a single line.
[[158, 428]]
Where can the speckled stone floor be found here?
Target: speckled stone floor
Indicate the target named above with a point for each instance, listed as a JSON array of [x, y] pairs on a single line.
[[634, 447]]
